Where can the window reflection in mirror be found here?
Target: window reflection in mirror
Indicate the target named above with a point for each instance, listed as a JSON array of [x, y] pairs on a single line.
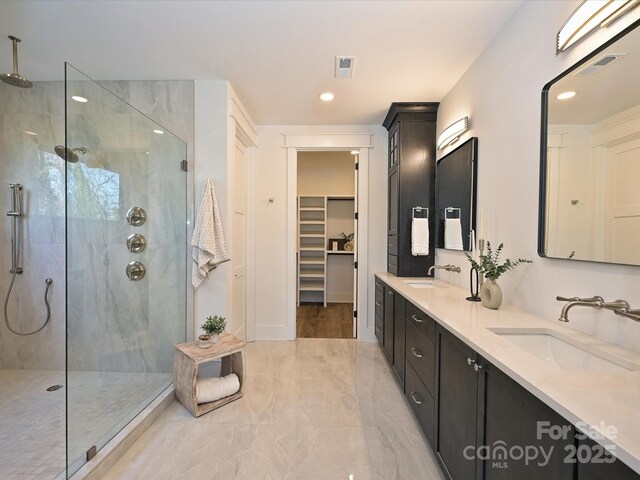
[[590, 195]]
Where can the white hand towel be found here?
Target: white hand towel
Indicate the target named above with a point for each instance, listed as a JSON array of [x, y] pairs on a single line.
[[212, 389], [420, 236], [209, 246], [452, 234]]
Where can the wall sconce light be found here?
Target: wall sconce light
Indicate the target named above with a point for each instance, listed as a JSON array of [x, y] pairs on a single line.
[[590, 15], [452, 133]]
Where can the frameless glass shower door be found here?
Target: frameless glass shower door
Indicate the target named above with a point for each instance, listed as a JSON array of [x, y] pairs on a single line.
[[126, 213]]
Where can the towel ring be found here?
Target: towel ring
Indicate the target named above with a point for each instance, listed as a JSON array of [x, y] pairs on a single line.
[[453, 210], [415, 210]]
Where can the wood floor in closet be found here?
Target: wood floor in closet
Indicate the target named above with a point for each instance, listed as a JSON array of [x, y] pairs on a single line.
[[333, 321]]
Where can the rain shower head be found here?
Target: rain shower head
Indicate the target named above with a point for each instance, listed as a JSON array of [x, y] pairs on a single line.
[[69, 154], [14, 78]]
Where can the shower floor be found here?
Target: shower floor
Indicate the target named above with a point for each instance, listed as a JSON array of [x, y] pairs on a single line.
[[32, 420]]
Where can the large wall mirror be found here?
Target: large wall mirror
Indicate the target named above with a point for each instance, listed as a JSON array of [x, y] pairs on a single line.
[[456, 175], [590, 157]]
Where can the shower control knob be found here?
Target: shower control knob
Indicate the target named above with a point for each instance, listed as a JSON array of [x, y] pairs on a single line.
[[136, 271], [136, 216], [136, 243]]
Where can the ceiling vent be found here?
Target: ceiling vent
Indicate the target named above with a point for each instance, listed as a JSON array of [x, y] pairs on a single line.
[[599, 64], [344, 67]]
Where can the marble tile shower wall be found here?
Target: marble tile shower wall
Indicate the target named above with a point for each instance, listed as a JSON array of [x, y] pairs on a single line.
[[27, 159], [110, 328], [137, 323]]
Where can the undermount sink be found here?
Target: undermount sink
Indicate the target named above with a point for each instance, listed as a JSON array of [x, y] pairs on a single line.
[[419, 283], [566, 352]]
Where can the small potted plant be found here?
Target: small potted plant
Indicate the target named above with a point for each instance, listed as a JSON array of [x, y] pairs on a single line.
[[491, 268], [348, 244], [214, 326]]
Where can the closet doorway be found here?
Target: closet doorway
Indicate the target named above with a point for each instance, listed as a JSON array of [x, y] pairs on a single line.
[[326, 253]]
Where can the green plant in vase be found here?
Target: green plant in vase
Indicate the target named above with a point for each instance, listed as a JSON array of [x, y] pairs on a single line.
[[491, 268], [214, 326]]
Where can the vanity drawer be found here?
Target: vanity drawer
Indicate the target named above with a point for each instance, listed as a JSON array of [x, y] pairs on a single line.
[[422, 322], [421, 403], [379, 301], [379, 327], [392, 245], [392, 264], [421, 354]]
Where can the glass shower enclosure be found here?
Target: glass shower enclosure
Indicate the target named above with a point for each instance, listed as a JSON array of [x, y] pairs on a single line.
[[125, 192]]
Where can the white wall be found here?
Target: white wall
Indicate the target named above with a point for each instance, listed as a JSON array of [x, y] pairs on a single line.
[[211, 162], [270, 181], [501, 94]]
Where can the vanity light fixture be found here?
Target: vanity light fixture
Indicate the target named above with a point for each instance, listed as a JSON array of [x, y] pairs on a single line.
[[566, 95], [29, 132], [159, 132], [590, 15], [80, 99], [327, 96], [452, 133]]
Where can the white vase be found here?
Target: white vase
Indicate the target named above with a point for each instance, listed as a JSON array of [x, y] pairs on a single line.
[[214, 338], [491, 294]]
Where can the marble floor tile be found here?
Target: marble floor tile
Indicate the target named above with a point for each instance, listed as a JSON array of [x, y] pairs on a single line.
[[313, 409]]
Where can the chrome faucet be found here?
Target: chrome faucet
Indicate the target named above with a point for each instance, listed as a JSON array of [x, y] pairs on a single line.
[[619, 307], [448, 268]]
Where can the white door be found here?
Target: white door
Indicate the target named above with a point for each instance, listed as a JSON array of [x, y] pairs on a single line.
[[238, 302], [355, 248], [622, 213]]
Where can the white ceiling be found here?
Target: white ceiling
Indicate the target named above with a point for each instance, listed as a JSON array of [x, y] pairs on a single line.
[[278, 55]]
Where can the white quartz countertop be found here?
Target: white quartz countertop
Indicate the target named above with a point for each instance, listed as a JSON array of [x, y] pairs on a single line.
[[598, 400]]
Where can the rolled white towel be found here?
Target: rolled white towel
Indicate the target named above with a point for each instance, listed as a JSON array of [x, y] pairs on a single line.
[[215, 388]]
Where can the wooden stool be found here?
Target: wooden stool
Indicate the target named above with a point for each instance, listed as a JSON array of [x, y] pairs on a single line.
[[185, 370]]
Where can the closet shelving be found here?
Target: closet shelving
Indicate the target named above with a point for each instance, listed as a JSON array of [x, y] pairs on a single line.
[[312, 241], [314, 230]]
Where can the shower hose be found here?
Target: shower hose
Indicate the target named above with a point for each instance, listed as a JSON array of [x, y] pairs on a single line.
[[15, 252]]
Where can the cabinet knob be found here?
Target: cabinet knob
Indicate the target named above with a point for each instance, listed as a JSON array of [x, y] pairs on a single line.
[[378, 304], [378, 329], [477, 367], [415, 400], [416, 319], [416, 353], [470, 361], [390, 293]]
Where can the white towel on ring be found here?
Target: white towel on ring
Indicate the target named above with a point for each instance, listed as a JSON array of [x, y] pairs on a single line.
[[453, 234], [209, 246], [420, 236]]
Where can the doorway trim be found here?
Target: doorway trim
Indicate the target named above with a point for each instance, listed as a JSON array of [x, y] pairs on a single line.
[[315, 142]]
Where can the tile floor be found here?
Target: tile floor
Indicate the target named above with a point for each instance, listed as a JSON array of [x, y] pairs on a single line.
[[313, 409], [32, 420]]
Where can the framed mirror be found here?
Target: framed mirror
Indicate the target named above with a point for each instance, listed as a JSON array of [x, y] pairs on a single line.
[[456, 177], [590, 157]]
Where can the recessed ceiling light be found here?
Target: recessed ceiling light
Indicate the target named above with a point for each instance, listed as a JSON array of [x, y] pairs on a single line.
[[29, 132], [326, 96], [80, 99], [566, 95], [159, 132]]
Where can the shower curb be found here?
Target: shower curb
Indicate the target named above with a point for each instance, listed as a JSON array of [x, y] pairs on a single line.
[[107, 457]]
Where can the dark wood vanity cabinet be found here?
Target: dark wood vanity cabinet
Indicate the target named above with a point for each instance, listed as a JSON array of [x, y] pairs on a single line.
[[393, 330], [468, 408], [412, 163], [420, 385], [480, 406]]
